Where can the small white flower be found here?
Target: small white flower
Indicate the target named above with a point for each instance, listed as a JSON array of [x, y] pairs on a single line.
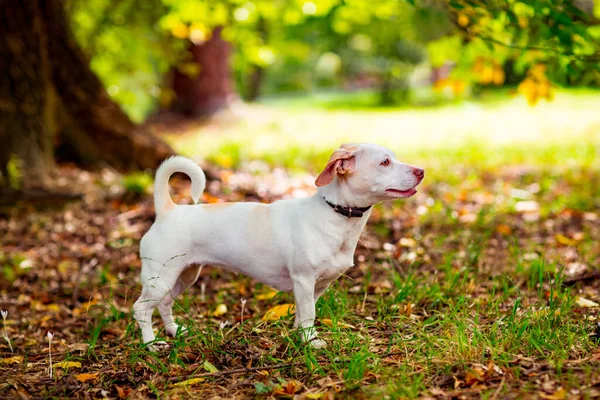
[[223, 324], [243, 305], [50, 335], [4, 314]]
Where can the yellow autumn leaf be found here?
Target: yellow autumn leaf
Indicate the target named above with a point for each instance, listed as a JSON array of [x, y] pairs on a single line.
[[463, 20], [565, 241], [12, 360], [53, 307], [180, 31], [528, 89], [314, 396], [189, 382], [279, 311], [267, 295], [67, 364], [220, 310], [458, 87], [487, 74], [330, 323], [498, 75], [86, 377], [558, 395]]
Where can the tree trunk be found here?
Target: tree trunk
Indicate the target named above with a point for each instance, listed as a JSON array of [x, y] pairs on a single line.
[[255, 83], [210, 90], [52, 103], [256, 77]]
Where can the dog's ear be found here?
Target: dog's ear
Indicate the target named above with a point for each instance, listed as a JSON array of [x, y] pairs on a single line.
[[342, 161]]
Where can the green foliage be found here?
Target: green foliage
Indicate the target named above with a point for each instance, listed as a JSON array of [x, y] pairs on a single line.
[[300, 45], [137, 183], [534, 41]]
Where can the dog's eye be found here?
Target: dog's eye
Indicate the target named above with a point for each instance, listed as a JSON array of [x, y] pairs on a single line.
[[385, 162]]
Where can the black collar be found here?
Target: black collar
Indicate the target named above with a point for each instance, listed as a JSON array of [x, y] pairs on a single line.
[[347, 211]]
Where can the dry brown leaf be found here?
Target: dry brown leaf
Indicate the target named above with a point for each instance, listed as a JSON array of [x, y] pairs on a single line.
[[123, 393]]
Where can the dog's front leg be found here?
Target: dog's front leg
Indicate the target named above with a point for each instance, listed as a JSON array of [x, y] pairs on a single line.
[[304, 292]]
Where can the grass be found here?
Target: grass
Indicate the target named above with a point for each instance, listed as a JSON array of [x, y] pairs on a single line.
[[299, 134], [465, 290]]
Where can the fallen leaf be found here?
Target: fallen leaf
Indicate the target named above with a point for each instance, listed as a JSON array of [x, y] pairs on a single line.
[[220, 310], [86, 377], [583, 302], [123, 393], [67, 364], [473, 377], [83, 347], [329, 323], [288, 388], [558, 395], [407, 242], [457, 382], [279, 311], [565, 241], [12, 360], [504, 229], [209, 367], [267, 295], [189, 382]]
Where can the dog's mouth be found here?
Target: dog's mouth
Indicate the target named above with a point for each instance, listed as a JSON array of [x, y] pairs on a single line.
[[401, 193]]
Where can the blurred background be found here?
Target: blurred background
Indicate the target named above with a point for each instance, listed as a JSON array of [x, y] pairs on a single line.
[[493, 265], [126, 82]]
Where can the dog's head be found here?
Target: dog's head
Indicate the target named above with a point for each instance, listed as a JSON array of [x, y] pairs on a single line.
[[370, 173]]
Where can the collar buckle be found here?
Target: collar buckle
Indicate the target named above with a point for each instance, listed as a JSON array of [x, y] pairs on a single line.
[[348, 212]]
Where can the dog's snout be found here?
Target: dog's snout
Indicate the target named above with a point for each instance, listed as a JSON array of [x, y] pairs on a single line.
[[419, 172]]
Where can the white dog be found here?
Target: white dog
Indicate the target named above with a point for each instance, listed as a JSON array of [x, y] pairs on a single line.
[[300, 244]]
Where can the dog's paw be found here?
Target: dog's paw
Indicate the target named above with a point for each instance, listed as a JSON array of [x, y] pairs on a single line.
[[177, 330], [318, 343], [158, 347]]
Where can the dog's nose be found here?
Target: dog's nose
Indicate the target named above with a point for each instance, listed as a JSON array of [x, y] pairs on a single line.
[[419, 172]]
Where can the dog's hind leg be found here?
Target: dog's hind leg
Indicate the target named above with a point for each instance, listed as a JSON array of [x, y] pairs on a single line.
[[165, 307], [154, 289]]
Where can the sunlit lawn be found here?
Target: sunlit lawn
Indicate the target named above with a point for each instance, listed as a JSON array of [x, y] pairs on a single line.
[[501, 129]]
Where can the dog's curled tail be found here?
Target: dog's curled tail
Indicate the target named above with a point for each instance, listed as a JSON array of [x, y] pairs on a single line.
[[162, 198]]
